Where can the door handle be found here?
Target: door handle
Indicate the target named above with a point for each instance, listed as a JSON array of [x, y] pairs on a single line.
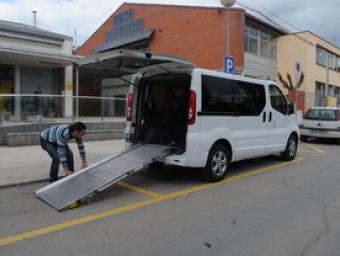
[[270, 116], [264, 116]]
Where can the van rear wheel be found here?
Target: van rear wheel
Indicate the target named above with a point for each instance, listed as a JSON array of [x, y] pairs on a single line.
[[217, 165], [291, 149]]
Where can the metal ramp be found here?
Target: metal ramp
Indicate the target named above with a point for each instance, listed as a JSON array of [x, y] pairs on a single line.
[[61, 194]]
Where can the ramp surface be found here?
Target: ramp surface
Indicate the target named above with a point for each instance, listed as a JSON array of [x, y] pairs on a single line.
[[80, 184]]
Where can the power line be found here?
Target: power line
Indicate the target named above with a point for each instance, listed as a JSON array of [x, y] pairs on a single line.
[[275, 23], [275, 15]]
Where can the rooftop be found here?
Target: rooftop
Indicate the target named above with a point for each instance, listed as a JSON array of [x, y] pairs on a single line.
[[31, 30]]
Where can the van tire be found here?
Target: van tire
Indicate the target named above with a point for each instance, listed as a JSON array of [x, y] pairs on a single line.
[[291, 149], [218, 162]]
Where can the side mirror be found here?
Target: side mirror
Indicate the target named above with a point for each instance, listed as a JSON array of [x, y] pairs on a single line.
[[291, 109]]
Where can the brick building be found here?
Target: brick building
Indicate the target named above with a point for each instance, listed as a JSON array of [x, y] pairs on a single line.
[[195, 33]]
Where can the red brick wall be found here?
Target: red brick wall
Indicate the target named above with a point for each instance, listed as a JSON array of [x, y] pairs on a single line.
[[196, 34]]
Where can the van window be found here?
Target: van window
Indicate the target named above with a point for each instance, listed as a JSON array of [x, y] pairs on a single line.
[[251, 99], [278, 100], [218, 95]]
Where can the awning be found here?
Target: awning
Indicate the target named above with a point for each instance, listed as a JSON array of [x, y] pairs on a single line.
[[125, 41], [34, 58]]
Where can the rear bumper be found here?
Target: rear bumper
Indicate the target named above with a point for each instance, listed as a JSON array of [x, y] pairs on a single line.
[[320, 133]]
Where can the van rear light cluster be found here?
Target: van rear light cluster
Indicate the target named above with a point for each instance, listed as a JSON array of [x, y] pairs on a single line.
[[192, 108], [129, 107], [301, 126]]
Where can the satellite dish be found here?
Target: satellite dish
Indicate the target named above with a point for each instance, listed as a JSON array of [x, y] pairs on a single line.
[[228, 3]]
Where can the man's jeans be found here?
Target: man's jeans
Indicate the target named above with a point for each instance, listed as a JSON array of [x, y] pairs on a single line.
[[51, 149]]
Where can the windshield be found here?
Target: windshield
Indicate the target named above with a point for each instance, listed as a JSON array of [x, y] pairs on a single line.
[[322, 114]]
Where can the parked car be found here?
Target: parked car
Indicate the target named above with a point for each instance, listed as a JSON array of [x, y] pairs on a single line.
[[212, 118], [321, 122]]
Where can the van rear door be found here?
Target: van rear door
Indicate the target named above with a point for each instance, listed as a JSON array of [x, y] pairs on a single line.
[[121, 63]]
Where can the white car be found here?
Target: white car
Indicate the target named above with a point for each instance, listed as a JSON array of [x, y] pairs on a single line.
[[210, 118], [321, 122]]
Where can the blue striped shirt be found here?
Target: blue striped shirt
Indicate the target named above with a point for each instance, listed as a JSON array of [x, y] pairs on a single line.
[[59, 135]]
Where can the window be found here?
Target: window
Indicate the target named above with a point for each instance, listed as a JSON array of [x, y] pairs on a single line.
[[278, 101], [323, 56], [6, 86], [319, 95], [260, 43], [251, 99], [218, 95], [321, 115]]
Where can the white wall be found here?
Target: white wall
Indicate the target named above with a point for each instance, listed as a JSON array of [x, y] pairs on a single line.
[[259, 67]]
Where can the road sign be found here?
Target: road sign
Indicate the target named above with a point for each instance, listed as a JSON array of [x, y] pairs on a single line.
[[229, 65]]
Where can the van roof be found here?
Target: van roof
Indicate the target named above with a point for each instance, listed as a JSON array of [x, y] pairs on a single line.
[[235, 77]]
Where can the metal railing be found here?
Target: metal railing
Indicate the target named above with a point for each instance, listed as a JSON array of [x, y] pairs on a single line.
[[59, 108]]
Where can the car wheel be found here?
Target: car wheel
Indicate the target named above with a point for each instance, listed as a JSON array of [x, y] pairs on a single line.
[[217, 165], [304, 138], [291, 149]]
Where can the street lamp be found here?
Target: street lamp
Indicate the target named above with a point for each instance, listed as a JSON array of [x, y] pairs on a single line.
[[228, 4]]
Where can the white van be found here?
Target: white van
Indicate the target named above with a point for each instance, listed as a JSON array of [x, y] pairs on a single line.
[[208, 118], [211, 119]]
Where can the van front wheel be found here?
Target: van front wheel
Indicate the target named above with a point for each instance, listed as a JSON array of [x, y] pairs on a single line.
[[217, 165], [291, 149]]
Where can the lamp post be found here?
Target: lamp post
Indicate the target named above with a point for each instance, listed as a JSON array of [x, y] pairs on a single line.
[[228, 4]]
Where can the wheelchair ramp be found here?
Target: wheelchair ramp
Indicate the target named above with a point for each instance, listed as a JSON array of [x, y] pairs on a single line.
[[61, 194]]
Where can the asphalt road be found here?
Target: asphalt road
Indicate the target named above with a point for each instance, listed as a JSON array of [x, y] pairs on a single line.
[[264, 207]]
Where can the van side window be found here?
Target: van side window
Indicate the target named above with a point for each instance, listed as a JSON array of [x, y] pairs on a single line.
[[278, 100], [218, 95], [251, 99]]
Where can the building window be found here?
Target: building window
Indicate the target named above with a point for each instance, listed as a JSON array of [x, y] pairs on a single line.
[[260, 43], [6, 87], [319, 95], [323, 56]]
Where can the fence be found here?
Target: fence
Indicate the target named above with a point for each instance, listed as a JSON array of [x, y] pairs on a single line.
[[59, 108]]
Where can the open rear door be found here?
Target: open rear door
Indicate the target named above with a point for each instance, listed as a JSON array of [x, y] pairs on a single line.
[[120, 63]]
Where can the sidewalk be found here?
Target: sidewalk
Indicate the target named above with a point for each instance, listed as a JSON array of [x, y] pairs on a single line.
[[21, 165]]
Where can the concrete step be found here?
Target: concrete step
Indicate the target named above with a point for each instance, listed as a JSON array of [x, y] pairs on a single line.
[[23, 139]]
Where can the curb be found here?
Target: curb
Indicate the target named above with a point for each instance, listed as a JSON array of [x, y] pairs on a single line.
[[23, 183]]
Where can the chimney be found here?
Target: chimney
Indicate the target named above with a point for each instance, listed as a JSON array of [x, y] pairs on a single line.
[[34, 18]]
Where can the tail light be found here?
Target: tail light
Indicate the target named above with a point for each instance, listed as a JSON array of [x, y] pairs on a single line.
[[301, 126], [338, 115], [192, 108], [129, 107]]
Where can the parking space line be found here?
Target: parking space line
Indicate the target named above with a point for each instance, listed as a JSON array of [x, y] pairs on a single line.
[[314, 148], [154, 200], [139, 189]]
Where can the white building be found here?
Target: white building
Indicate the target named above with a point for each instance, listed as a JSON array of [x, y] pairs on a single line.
[[34, 61]]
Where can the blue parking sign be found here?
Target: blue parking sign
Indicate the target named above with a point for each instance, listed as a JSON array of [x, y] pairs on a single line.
[[229, 65]]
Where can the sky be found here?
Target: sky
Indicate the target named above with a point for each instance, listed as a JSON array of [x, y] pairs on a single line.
[[64, 16]]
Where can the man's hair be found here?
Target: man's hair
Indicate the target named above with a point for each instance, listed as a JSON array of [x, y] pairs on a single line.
[[77, 126]]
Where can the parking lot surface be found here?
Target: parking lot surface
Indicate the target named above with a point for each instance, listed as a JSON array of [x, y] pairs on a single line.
[[263, 207]]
